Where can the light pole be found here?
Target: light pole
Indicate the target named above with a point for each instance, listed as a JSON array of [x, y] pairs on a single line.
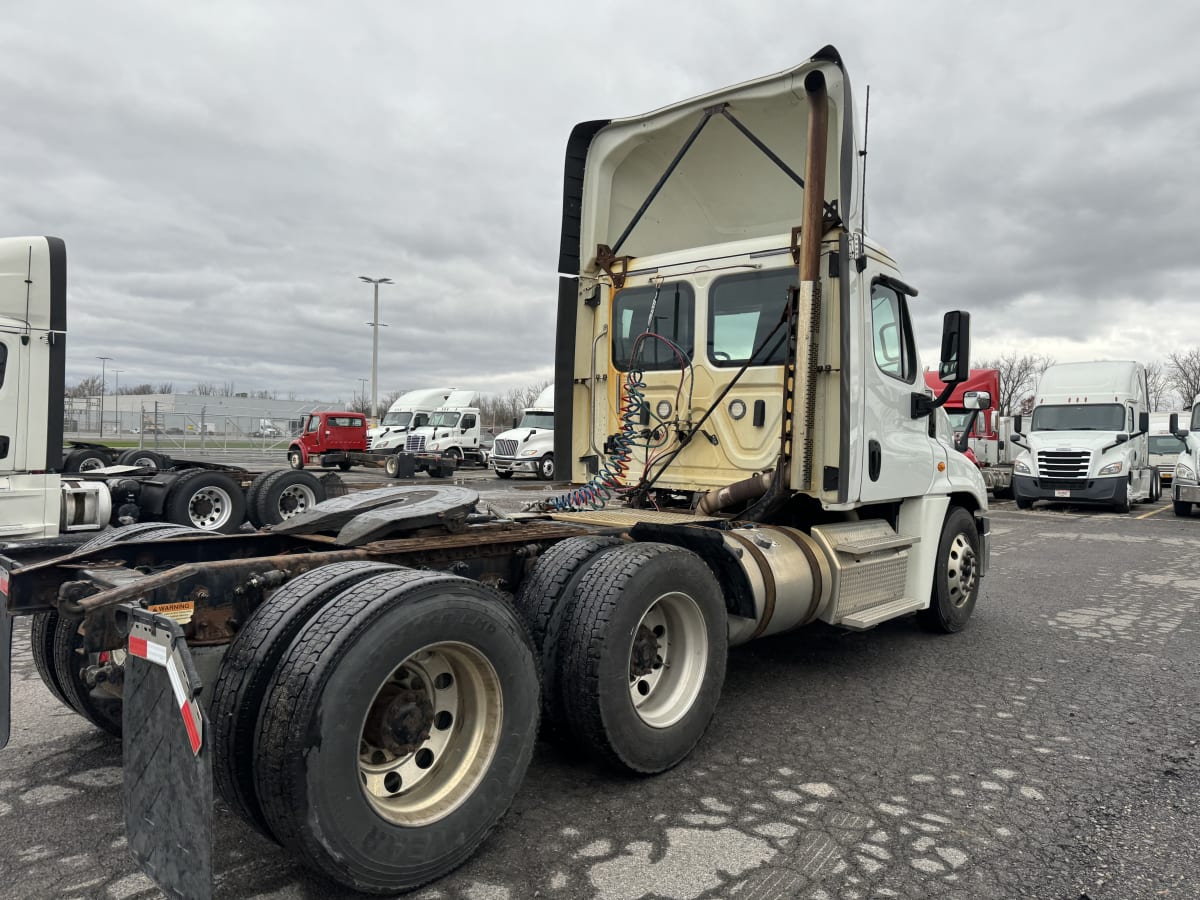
[[362, 382], [375, 323], [104, 361], [117, 400]]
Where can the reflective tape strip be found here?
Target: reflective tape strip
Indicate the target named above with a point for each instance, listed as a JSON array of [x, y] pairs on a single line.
[[193, 723], [181, 696], [147, 650]]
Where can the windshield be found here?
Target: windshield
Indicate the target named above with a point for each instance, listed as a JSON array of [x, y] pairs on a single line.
[[1080, 417], [444, 419], [1166, 443], [396, 419], [538, 420]]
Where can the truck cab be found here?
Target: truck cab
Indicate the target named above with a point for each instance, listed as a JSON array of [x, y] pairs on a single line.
[[1185, 485], [410, 411], [328, 438], [453, 430], [529, 447], [1086, 441]]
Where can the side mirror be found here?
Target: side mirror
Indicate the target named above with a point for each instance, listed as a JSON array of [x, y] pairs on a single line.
[[1144, 422], [955, 364], [514, 424], [1017, 425], [977, 400], [1120, 439], [1173, 423]]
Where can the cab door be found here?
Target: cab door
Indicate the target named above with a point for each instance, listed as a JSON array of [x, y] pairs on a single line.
[[310, 438], [898, 454]]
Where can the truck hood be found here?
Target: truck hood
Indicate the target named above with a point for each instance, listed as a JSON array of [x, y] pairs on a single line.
[[528, 437], [1073, 440], [725, 187]]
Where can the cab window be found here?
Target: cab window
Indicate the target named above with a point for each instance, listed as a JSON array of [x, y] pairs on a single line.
[[314, 423], [891, 333], [743, 310], [673, 312]]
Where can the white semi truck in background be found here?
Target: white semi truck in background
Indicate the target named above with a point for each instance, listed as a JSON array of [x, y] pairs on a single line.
[[529, 446], [1185, 485], [749, 439], [410, 410], [1086, 439]]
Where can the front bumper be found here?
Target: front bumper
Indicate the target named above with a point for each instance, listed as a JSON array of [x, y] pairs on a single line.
[[1101, 491], [505, 464], [1185, 492]]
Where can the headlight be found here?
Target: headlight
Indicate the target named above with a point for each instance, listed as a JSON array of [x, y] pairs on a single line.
[[1112, 468], [1182, 471], [529, 452], [1021, 468]]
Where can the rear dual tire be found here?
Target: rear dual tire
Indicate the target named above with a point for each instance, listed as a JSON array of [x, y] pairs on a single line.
[[397, 729]]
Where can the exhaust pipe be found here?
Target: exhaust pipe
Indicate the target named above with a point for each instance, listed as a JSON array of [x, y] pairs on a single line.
[[748, 489]]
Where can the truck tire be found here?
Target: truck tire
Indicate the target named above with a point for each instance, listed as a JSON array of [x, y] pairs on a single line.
[[400, 465], [41, 640], [252, 496], [85, 461], [955, 575], [146, 459], [69, 659], [426, 685], [211, 501], [345, 465], [544, 602], [285, 494], [295, 458], [247, 670], [1183, 508], [1022, 502], [545, 470], [504, 473], [643, 656], [1155, 488]]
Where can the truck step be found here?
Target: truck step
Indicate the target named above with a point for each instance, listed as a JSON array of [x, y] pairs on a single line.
[[873, 615], [866, 546]]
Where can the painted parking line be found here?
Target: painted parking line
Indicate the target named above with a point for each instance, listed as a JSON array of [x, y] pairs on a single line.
[[1153, 512]]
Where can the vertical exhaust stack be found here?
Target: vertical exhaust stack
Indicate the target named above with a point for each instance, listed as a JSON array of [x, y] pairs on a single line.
[[799, 382]]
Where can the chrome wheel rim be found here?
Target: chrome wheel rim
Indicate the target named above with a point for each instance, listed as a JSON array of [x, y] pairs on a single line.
[[547, 469], [667, 660], [210, 508], [430, 734], [91, 464], [295, 499], [961, 570]]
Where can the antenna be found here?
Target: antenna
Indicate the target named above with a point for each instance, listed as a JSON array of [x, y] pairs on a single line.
[[862, 198]]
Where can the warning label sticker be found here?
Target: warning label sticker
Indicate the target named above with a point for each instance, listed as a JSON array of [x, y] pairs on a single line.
[[181, 612]]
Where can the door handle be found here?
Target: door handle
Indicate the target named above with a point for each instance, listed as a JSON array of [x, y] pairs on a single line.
[[874, 459]]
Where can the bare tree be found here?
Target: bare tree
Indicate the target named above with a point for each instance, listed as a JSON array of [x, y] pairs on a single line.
[[1183, 374], [1018, 379], [1158, 384], [165, 387], [135, 389], [87, 387]]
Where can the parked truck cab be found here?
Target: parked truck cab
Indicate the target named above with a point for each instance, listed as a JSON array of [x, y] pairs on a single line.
[[328, 439], [530, 446], [1185, 486], [1086, 440], [410, 411]]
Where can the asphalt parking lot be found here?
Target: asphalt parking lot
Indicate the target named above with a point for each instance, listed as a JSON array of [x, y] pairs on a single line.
[[1047, 751]]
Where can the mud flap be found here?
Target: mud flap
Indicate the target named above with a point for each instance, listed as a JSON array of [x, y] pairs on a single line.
[[6, 630], [168, 791]]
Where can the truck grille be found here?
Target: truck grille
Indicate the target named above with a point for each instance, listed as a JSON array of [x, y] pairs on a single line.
[[505, 447], [1064, 465], [415, 443]]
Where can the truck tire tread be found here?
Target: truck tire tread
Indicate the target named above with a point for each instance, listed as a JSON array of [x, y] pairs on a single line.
[[249, 666], [266, 501], [41, 639], [600, 598], [295, 696]]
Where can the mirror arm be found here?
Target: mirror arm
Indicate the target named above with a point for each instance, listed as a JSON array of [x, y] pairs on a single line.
[[922, 405]]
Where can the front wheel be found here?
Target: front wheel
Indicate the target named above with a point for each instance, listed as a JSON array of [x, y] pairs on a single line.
[[1124, 501], [643, 656], [1023, 502], [1155, 488], [955, 575], [504, 473], [398, 728], [546, 467], [1183, 509], [295, 458]]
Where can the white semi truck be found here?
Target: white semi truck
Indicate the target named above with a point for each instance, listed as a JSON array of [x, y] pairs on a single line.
[[1185, 485], [1086, 441], [411, 410], [529, 447], [740, 407]]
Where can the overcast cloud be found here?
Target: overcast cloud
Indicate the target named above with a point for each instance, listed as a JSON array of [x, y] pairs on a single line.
[[222, 172]]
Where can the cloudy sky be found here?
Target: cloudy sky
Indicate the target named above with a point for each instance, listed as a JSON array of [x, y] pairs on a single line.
[[222, 172]]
